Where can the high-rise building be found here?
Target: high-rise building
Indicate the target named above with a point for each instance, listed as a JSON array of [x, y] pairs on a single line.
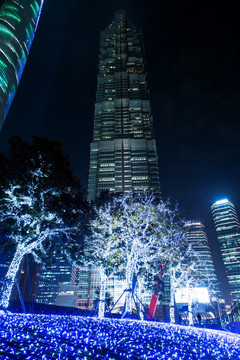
[[49, 280], [18, 23], [123, 154], [197, 235], [228, 232]]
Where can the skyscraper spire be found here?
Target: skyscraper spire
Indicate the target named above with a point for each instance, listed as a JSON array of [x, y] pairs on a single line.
[[18, 23], [123, 154]]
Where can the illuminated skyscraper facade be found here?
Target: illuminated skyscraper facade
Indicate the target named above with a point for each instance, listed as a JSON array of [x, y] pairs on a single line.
[[18, 23], [49, 279], [197, 235], [123, 154], [228, 232]]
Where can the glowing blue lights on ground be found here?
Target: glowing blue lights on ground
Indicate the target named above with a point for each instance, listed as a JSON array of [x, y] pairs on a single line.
[[78, 338]]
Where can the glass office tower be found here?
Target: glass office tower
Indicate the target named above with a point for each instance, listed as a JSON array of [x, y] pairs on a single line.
[[123, 154], [18, 23], [197, 235], [228, 232], [50, 278]]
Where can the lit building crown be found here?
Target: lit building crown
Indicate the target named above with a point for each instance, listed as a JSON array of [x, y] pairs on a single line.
[[223, 201], [18, 23]]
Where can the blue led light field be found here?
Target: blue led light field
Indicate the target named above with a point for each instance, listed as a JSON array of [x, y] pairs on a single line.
[[73, 337]]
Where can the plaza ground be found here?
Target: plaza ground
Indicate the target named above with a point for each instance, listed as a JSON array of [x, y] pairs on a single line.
[[24, 336]]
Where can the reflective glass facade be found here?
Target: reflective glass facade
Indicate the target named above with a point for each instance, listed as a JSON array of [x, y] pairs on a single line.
[[123, 154], [49, 279], [88, 281], [228, 232], [197, 235], [18, 23]]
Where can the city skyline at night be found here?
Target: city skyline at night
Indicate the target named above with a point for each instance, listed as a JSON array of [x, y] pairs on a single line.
[[119, 179], [192, 59], [178, 145]]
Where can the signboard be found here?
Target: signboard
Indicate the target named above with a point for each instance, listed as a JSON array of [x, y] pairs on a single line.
[[199, 295]]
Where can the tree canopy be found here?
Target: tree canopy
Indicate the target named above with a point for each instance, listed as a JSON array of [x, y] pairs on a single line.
[[42, 206]]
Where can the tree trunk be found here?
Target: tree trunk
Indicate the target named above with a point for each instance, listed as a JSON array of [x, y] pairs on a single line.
[[11, 276], [141, 308], [102, 295], [171, 305], [190, 315], [128, 296]]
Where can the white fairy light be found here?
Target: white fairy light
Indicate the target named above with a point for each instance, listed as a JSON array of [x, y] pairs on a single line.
[[33, 224], [75, 337]]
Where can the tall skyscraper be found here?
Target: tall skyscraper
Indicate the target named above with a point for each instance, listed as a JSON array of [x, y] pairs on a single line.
[[228, 232], [197, 235], [123, 154], [18, 23]]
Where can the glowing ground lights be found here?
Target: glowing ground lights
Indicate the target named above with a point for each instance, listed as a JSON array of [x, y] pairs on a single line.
[[73, 337]]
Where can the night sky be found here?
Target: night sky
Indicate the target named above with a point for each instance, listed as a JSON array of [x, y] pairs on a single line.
[[192, 56]]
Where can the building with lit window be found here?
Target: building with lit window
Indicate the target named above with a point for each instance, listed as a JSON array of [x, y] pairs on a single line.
[[18, 23], [123, 154], [197, 235], [51, 278], [228, 232]]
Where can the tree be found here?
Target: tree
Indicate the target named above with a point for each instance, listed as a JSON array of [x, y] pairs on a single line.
[[40, 206], [193, 276], [167, 251], [122, 235], [183, 265], [132, 235], [173, 253], [142, 223], [102, 247]]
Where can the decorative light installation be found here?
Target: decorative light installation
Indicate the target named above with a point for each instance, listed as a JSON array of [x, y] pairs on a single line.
[[31, 228], [79, 338], [18, 23]]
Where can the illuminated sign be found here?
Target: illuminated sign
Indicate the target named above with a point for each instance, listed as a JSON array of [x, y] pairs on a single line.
[[198, 295]]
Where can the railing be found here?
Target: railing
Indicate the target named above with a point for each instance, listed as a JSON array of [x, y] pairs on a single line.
[[231, 315]]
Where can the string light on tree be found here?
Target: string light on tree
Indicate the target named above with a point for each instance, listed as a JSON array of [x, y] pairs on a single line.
[[38, 205]]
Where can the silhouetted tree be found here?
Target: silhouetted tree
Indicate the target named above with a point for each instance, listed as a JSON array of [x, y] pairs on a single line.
[[42, 206]]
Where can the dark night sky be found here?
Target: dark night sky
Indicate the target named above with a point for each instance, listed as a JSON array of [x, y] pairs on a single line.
[[192, 54]]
